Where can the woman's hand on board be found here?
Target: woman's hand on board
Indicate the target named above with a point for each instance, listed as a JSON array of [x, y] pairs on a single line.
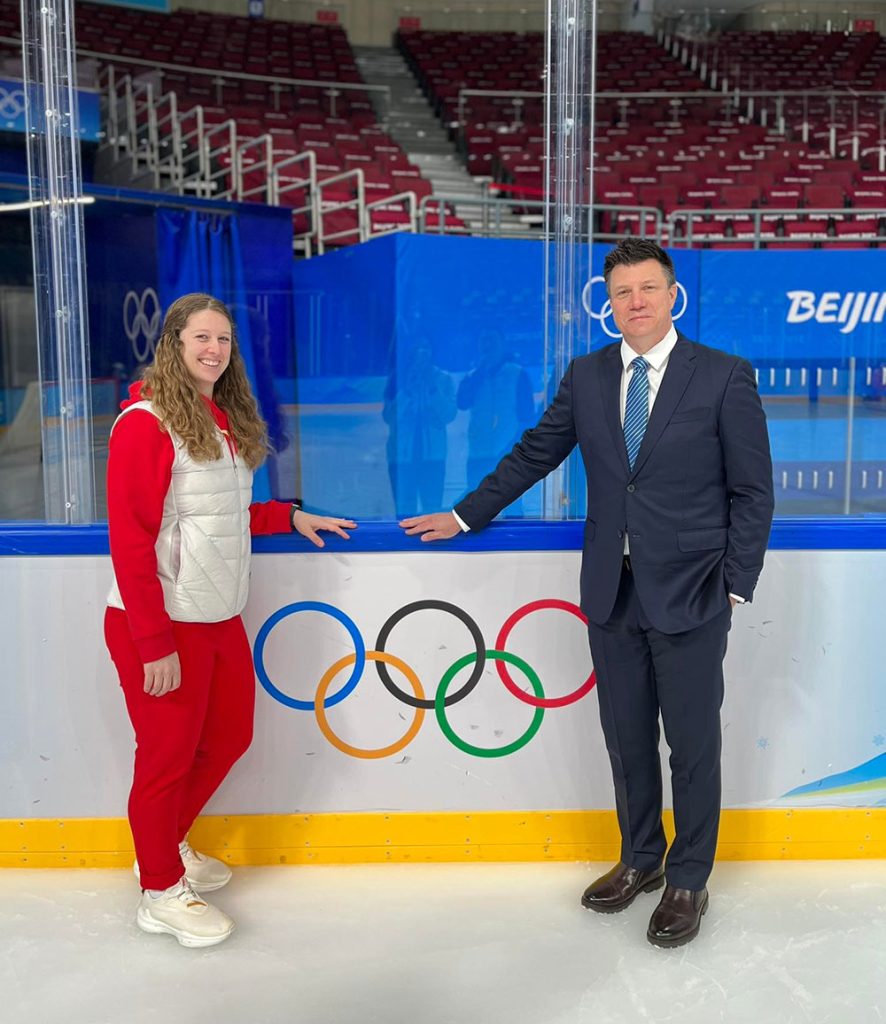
[[308, 525]]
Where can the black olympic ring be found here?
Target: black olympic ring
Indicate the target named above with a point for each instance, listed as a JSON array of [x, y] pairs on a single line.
[[473, 629]]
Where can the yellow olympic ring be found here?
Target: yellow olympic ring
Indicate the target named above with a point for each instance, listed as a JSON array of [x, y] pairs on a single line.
[[346, 748]]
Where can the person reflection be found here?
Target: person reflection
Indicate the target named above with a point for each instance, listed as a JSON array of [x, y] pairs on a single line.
[[498, 394], [419, 401]]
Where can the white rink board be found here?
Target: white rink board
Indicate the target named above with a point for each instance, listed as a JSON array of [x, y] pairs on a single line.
[[803, 679]]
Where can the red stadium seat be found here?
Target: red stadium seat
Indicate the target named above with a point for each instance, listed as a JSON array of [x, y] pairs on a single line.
[[817, 227], [824, 196], [868, 198], [739, 197]]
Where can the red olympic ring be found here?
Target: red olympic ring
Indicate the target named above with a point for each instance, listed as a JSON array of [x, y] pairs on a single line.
[[504, 633]]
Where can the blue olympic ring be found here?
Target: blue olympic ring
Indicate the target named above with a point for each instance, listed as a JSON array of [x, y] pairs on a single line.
[[309, 606]]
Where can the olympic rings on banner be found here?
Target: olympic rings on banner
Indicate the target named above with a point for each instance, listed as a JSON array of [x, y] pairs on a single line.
[[346, 748], [539, 700], [476, 636], [417, 699], [309, 606], [469, 748]]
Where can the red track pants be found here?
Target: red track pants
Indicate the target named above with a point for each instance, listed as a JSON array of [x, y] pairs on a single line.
[[186, 740]]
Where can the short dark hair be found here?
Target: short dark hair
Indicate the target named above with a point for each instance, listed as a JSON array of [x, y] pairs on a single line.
[[632, 250]]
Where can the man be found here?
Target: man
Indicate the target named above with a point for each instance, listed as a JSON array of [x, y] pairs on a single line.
[[680, 502]]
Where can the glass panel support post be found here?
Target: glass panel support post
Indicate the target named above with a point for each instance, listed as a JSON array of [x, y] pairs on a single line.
[[53, 141], [570, 94]]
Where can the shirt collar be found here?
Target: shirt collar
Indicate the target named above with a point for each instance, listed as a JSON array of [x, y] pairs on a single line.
[[657, 356]]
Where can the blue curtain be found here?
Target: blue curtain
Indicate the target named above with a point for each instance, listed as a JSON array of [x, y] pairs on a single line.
[[201, 252]]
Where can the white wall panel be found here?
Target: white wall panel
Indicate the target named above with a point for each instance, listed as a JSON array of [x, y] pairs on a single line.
[[804, 686]]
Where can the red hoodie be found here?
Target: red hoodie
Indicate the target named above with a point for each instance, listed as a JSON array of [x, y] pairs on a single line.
[[140, 457]]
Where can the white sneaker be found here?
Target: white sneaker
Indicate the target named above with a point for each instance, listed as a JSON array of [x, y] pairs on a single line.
[[179, 911], [202, 873]]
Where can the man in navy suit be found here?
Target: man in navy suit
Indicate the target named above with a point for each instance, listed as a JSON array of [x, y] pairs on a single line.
[[679, 475]]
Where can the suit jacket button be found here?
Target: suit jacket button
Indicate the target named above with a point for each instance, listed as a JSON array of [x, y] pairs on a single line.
[[621, 534], [631, 488]]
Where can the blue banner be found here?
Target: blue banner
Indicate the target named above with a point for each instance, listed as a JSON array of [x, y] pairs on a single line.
[[12, 110], [795, 307]]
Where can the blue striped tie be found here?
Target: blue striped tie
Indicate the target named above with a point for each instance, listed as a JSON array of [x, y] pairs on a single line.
[[636, 409]]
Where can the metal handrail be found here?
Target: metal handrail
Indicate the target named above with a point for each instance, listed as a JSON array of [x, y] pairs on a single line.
[[881, 150], [111, 106], [281, 186], [358, 203], [645, 215], [409, 198], [757, 215], [265, 144], [168, 161], [293, 183], [213, 177], [142, 124], [192, 151]]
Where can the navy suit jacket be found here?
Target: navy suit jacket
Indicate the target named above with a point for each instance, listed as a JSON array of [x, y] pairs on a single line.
[[698, 503]]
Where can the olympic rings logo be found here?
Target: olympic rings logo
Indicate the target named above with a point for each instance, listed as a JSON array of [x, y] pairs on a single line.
[[442, 698], [606, 308], [137, 321], [12, 103]]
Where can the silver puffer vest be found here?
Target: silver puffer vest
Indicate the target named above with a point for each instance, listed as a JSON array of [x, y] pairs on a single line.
[[204, 544]]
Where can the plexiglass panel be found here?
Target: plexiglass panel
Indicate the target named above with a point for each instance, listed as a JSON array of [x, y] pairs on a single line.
[[394, 374]]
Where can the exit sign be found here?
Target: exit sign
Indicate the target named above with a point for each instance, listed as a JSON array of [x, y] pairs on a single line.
[[326, 16]]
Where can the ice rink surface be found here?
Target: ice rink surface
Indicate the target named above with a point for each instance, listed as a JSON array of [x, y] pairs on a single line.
[[783, 942]]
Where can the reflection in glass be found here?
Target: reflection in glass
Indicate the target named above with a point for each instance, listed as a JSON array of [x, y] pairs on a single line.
[[419, 402], [498, 396]]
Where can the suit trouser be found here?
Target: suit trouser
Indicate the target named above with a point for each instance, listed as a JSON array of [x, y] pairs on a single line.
[[641, 672], [186, 740]]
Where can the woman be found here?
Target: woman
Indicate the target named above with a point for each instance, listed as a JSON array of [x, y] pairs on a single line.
[[180, 466]]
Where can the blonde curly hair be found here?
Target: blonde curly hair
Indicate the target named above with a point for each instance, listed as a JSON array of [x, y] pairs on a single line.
[[173, 393]]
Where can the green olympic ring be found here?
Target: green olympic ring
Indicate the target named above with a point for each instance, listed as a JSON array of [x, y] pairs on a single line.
[[468, 748]]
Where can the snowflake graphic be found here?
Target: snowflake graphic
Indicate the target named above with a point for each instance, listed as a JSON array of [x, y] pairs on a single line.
[[762, 743], [879, 740]]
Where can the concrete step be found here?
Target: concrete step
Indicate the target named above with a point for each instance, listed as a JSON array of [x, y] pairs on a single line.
[[422, 144], [113, 169], [411, 120], [446, 169], [416, 114], [412, 123]]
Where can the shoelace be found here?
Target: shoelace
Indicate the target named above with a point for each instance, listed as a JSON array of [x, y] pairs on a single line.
[[187, 851], [187, 896]]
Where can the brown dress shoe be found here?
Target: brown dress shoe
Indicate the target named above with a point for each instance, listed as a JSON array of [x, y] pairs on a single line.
[[619, 888], [677, 918]]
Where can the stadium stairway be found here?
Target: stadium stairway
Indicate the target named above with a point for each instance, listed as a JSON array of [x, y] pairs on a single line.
[[414, 125]]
